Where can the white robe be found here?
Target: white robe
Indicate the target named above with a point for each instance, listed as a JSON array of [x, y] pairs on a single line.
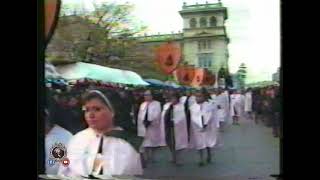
[[236, 104], [119, 156], [227, 110], [213, 98], [154, 135], [221, 113], [191, 100], [56, 135], [180, 125], [201, 138], [248, 102]]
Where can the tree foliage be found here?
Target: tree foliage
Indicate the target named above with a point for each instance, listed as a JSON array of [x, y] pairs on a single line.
[[96, 35], [241, 75]]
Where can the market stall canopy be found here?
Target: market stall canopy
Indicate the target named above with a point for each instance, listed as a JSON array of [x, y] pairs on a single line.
[[51, 72], [82, 70], [156, 82], [172, 84]]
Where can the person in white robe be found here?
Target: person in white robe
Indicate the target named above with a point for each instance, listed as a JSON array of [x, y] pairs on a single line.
[[188, 100], [221, 106], [174, 117], [94, 151], [248, 103], [213, 96], [203, 126], [150, 126], [227, 110], [54, 134], [236, 106]]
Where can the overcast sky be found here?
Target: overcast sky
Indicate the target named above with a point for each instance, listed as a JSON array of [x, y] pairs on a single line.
[[253, 27]]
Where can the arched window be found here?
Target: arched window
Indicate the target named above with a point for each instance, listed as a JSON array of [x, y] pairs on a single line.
[[193, 22], [213, 21], [203, 22]]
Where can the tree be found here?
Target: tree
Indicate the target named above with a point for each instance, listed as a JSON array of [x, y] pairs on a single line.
[[241, 75], [97, 35]]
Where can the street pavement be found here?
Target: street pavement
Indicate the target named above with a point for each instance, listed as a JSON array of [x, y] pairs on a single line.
[[248, 151]]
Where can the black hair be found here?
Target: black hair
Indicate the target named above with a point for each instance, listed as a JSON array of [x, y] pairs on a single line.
[[175, 95]]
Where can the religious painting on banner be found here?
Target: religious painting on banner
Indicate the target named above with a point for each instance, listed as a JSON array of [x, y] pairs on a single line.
[[51, 11], [209, 78], [198, 77], [168, 56], [184, 74]]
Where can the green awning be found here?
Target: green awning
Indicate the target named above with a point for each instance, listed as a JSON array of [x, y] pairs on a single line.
[[82, 70]]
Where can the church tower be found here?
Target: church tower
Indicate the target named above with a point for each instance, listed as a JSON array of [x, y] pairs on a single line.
[[205, 40]]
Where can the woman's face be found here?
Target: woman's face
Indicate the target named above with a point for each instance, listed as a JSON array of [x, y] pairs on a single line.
[[147, 96], [98, 115]]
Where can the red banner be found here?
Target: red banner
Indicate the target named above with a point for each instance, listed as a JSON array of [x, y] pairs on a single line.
[[185, 74], [198, 77], [209, 79], [168, 57]]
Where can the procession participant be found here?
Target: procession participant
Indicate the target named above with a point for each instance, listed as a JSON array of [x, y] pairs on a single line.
[[248, 103], [150, 126], [95, 150], [212, 96], [236, 106], [276, 110], [54, 134], [226, 95], [255, 101], [188, 100], [202, 126], [175, 127], [221, 105]]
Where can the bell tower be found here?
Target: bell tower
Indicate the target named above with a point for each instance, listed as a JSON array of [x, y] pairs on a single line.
[[205, 39]]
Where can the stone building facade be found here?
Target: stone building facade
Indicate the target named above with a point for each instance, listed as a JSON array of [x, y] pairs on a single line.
[[203, 40]]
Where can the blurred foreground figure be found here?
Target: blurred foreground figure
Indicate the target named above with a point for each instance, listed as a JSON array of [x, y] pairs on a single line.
[[97, 149], [54, 134]]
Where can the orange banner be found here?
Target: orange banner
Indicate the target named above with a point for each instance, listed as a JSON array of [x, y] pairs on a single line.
[[51, 10], [185, 74], [168, 56]]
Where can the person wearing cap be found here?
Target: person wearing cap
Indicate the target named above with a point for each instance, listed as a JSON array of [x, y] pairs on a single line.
[[150, 126], [174, 117], [97, 150], [203, 126]]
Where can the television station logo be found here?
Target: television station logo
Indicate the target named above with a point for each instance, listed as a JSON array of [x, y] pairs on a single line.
[[58, 154]]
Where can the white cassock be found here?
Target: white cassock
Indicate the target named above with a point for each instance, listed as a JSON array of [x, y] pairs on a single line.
[[225, 94], [191, 100], [248, 102], [180, 125], [201, 138], [119, 157], [236, 104], [56, 135], [221, 113], [154, 135], [213, 98]]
